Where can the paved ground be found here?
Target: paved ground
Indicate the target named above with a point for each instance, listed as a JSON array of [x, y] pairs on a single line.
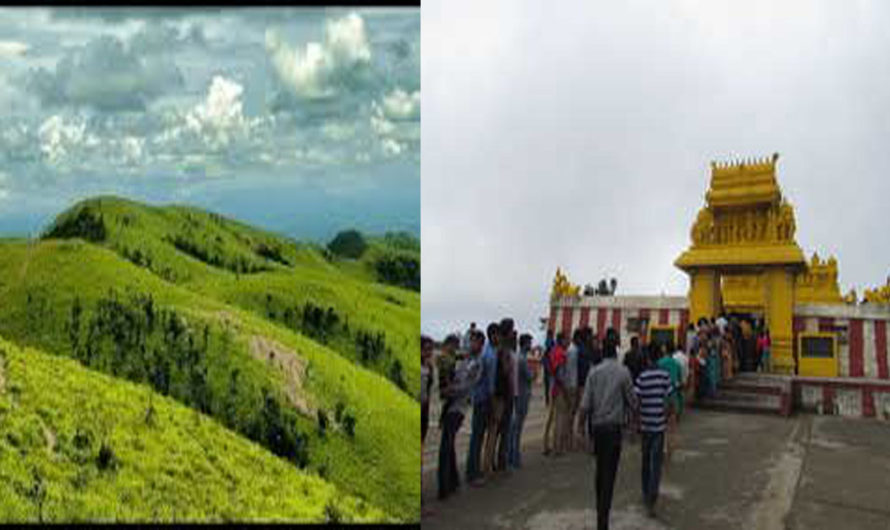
[[730, 471]]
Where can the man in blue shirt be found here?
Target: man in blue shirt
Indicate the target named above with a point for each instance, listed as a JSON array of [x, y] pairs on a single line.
[[482, 393]]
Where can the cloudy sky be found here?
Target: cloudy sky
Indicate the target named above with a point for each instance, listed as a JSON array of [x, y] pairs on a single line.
[[304, 120], [581, 137]]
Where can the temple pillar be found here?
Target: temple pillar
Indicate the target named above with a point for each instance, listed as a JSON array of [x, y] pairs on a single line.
[[704, 294], [779, 283]]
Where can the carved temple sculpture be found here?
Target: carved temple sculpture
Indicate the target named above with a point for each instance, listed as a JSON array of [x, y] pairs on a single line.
[[743, 255], [562, 287], [878, 295]]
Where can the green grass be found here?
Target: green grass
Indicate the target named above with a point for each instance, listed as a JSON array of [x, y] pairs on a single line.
[[145, 235], [379, 463], [169, 463]]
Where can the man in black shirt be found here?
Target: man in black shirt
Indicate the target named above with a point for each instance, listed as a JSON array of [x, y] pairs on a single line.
[[633, 358]]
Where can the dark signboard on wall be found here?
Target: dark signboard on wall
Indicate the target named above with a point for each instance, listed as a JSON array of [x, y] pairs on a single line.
[[821, 347], [663, 335]]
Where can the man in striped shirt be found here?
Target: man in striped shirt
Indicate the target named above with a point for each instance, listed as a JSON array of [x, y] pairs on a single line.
[[652, 387]]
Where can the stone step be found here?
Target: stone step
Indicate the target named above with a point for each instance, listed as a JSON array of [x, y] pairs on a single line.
[[747, 397], [752, 387], [742, 402]]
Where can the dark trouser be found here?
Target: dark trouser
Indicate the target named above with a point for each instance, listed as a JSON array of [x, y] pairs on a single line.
[[653, 453], [607, 439], [424, 420], [504, 434], [448, 477], [477, 436]]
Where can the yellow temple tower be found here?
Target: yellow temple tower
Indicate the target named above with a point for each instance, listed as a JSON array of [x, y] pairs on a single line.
[[743, 255]]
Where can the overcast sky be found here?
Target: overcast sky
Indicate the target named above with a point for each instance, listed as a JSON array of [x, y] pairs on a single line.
[[581, 137], [304, 120]]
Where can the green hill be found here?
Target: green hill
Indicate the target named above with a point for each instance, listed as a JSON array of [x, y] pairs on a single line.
[[294, 284], [236, 344], [76, 445]]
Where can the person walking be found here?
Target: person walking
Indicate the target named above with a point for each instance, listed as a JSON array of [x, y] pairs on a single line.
[[682, 360], [608, 393], [666, 362], [653, 387], [763, 350], [467, 337], [571, 386], [633, 361], [456, 395], [552, 427], [496, 407], [481, 407], [426, 383], [545, 362], [523, 396], [505, 390]]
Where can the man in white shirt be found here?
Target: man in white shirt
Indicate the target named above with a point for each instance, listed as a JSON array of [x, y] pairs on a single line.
[[571, 384], [721, 323], [465, 340]]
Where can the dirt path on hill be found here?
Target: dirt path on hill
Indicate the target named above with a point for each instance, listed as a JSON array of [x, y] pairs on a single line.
[[50, 437], [287, 361]]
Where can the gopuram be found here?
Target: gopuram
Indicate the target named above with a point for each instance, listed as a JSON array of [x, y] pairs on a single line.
[[743, 260]]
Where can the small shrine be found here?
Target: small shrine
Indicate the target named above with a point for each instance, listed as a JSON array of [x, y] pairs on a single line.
[[563, 287]]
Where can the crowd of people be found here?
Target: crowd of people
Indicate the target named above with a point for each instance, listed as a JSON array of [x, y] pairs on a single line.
[[640, 398]]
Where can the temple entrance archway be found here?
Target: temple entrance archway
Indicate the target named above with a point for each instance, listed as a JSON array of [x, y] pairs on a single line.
[[743, 255]]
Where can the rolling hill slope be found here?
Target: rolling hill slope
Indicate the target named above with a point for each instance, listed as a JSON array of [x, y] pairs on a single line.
[[336, 304], [76, 445], [202, 335]]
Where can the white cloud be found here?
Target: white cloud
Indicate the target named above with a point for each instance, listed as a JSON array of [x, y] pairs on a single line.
[[10, 48], [338, 131], [313, 71], [216, 121], [401, 105], [395, 120], [391, 147], [59, 138], [221, 110]]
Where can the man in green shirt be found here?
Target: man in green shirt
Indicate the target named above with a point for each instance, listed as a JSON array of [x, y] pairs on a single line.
[[675, 371]]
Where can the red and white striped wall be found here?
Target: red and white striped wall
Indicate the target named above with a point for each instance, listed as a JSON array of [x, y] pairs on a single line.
[[603, 312], [864, 353]]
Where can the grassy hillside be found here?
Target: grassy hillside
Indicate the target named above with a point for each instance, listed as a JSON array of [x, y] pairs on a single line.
[[76, 445], [202, 335], [291, 283]]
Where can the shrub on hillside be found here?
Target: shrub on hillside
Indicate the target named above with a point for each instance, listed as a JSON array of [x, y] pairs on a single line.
[[396, 374], [272, 253], [402, 241], [86, 224], [134, 339], [348, 244], [400, 270]]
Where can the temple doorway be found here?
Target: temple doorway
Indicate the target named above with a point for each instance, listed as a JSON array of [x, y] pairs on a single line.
[[745, 327]]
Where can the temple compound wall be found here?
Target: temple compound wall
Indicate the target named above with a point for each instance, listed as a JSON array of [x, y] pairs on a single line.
[[743, 258], [860, 387]]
